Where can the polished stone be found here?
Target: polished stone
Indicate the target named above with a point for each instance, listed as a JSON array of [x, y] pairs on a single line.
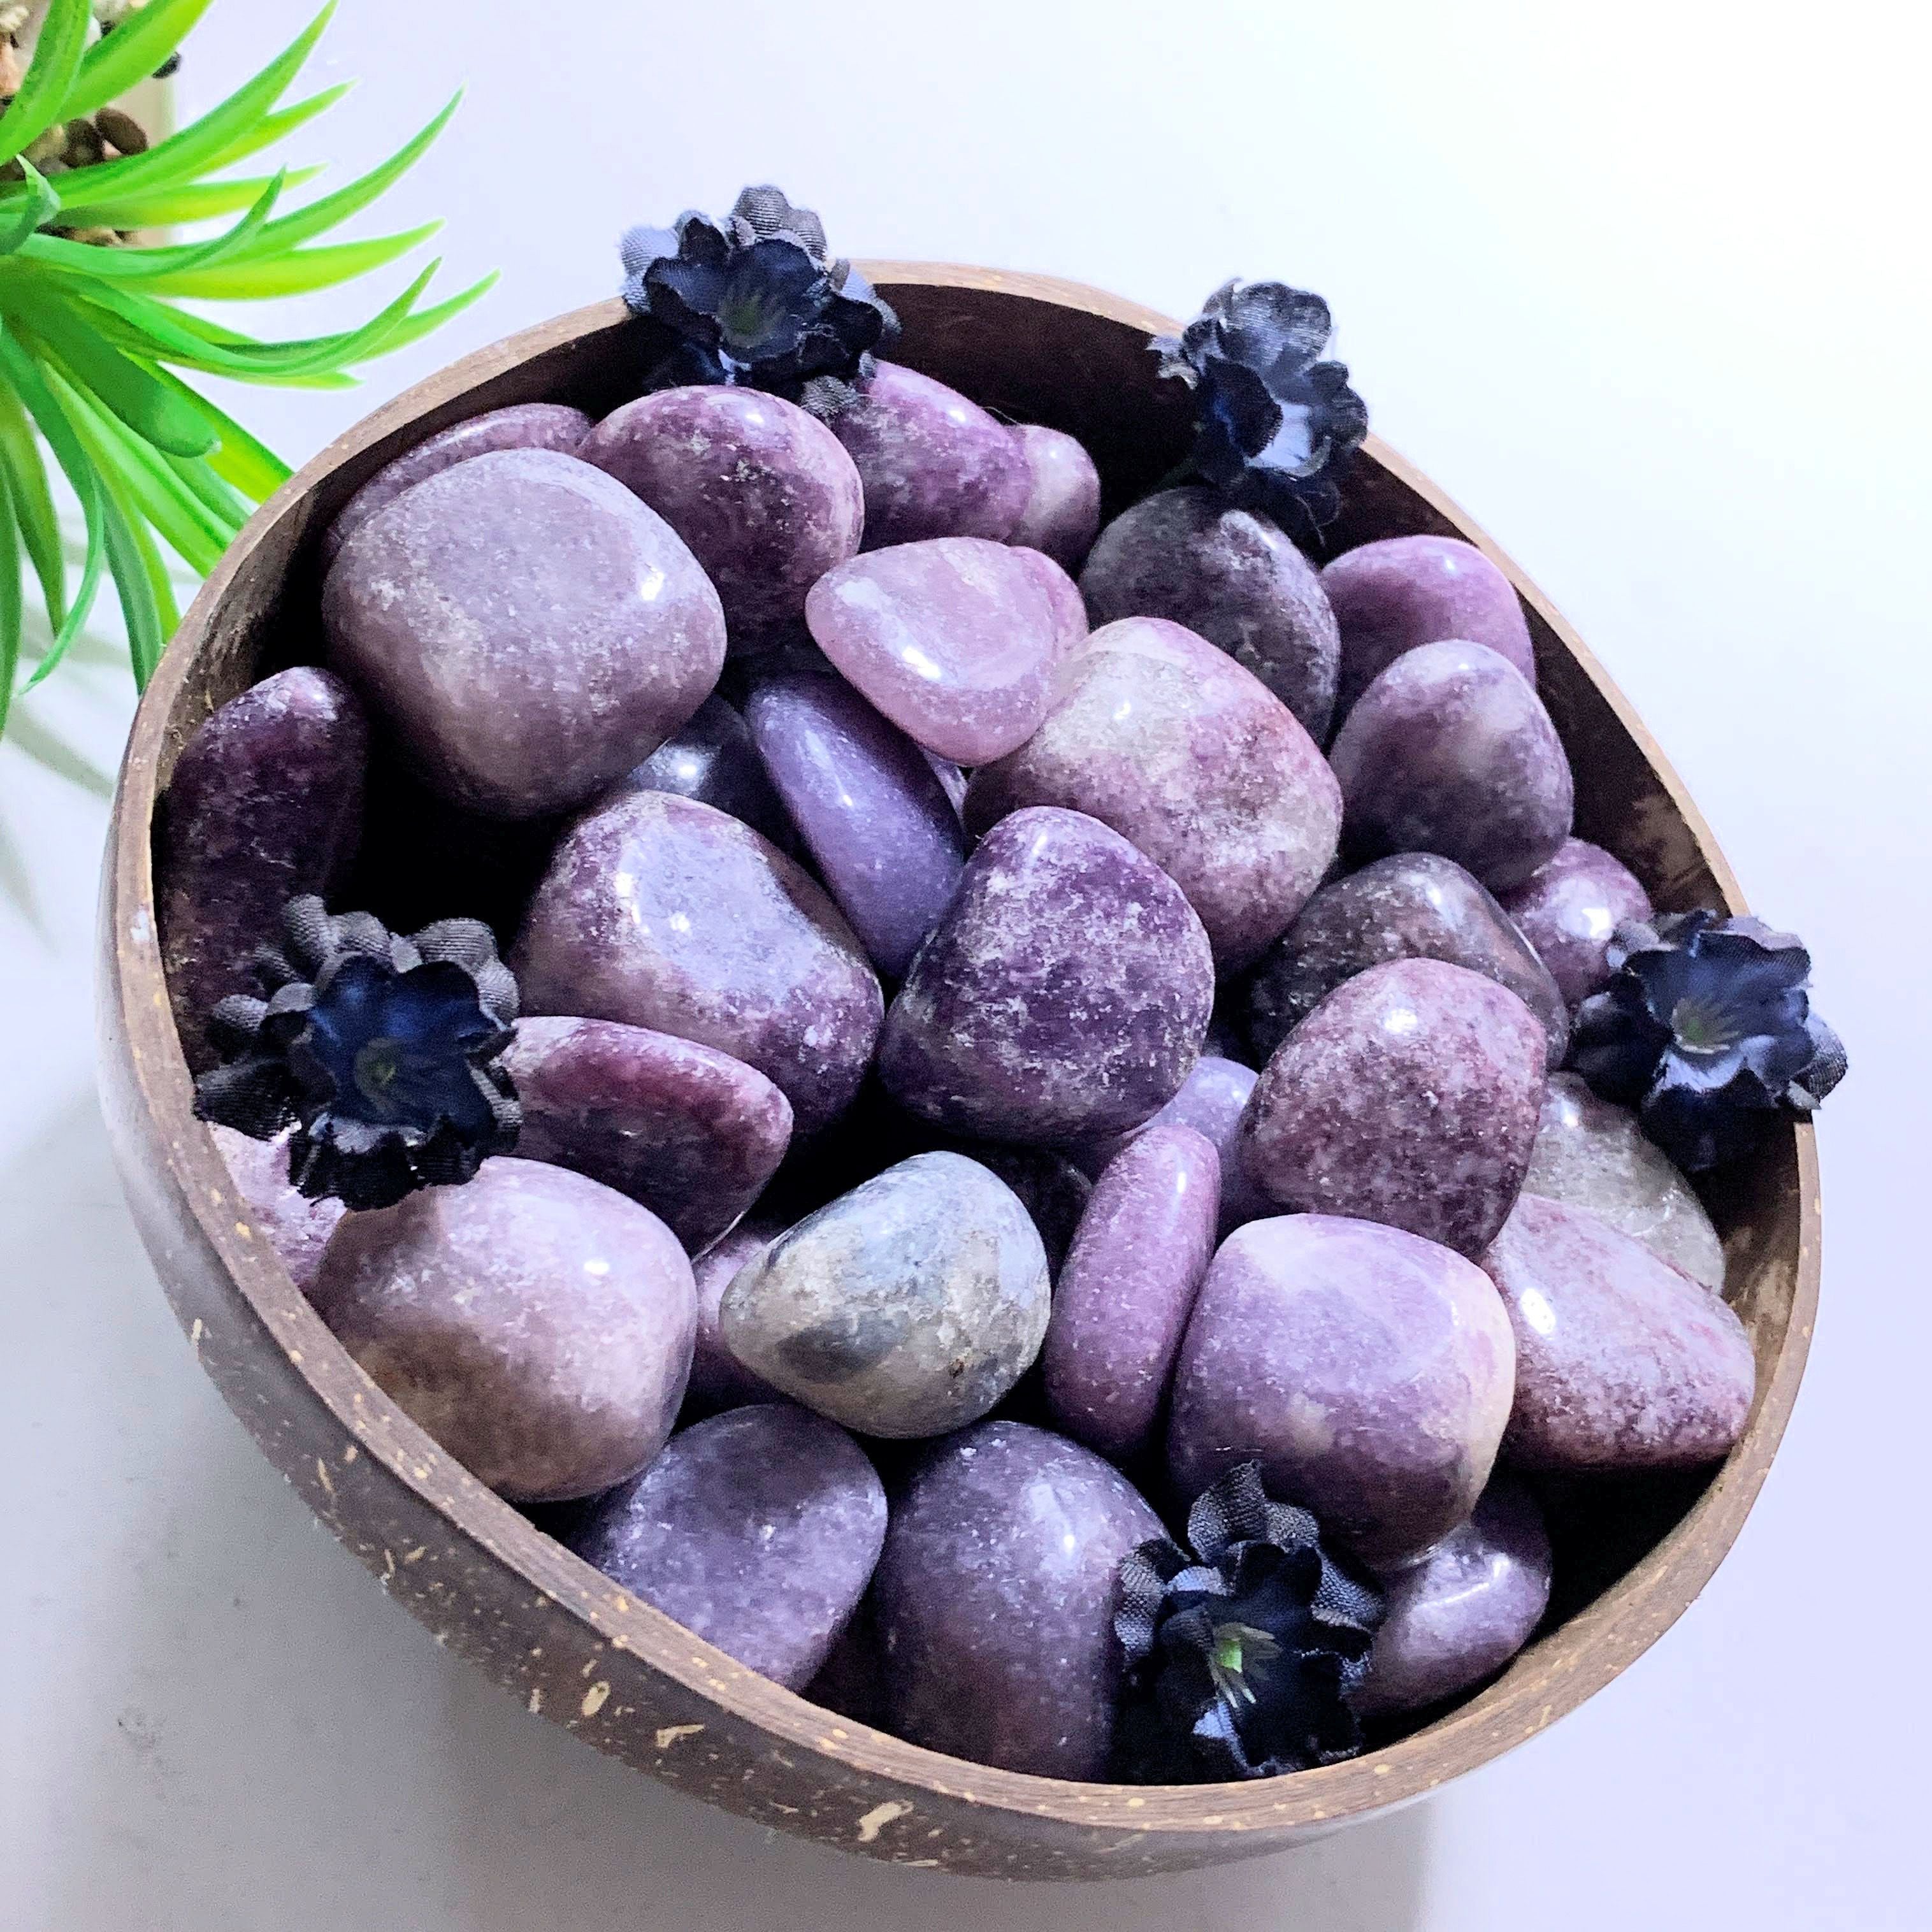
[[1568, 909], [713, 760], [718, 1380], [1052, 1188], [1062, 515], [298, 1228]]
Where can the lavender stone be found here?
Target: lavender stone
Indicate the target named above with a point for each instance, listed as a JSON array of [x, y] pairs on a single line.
[[1063, 596], [1568, 909], [1370, 1373], [713, 760], [1063, 995], [1062, 515], [758, 1531], [298, 1228], [718, 1380]]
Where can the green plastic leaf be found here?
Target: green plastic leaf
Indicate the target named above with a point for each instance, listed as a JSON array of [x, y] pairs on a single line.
[[279, 125], [221, 500], [238, 460], [126, 57], [300, 272], [49, 80], [139, 609], [147, 265], [176, 207], [12, 608], [148, 407], [25, 212], [26, 477], [428, 321]]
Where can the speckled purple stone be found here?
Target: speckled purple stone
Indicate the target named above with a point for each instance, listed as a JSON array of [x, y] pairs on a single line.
[[758, 1531], [1063, 597], [1063, 995], [1463, 1608], [1413, 905], [718, 1380], [664, 913], [762, 494], [1450, 751], [1155, 732], [1568, 909], [1122, 1301], [933, 464], [528, 629], [538, 1326], [1390, 596], [298, 1228], [887, 842], [1369, 1371], [713, 760], [994, 1601], [685, 1130], [1622, 1361], [265, 804], [1062, 515], [1232, 576]]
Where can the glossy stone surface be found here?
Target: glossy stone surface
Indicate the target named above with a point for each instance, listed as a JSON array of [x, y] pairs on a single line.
[[1230, 575], [758, 1530], [1568, 909], [297, 1229], [538, 1326], [1410, 1096], [907, 1307], [1155, 732], [762, 494], [1121, 1302], [1369, 1371], [528, 630], [1063, 596], [1623, 1362], [664, 913], [1592, 1155], [954, 641], [1450, 751], [872, 810], [1063, 995], [712, 759], [265, 804], [1411, 905], [685, 1130], [1062, 516], [994, 1598], [718, 1380]]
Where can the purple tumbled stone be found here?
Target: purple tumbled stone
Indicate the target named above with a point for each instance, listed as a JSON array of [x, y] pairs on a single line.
[[1122, 1301], [758, 1531], [1063, 597], [662, 912], [1155, 732], [1231, 576], [1063, 995], [713, 760], [528, 629], [298, 1228], [1062, 515], [718, 1380], [1623, 1362], [1368, 1371], [870, 808], [1568, 909], [265, 804], [1449, 750], [994, 1601]]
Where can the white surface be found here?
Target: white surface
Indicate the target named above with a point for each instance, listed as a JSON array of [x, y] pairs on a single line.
[[1644, 289]]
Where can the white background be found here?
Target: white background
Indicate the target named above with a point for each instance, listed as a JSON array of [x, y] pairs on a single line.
[[1643, 286]]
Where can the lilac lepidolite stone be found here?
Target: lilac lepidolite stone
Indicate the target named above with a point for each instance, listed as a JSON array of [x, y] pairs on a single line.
[[663, 913], [1449, 750], [711, 759], [758, 1530], [1122, 1299], [1623, 1362], [994, 1599], [1410, 1096], [1369, 1371], [718, 1380], [1155, 732], [1064, 994], [1062, 515], [526, 627], [1568, 909], [265, 804], [298, 1228]]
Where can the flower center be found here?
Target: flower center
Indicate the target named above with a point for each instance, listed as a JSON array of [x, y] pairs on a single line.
[[1238, 1652], [384, 1069], [1703, 1025]]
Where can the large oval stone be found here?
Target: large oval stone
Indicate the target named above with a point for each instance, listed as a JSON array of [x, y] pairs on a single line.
[[298, 1228], [664, 912], [994, 1601], [1064, 994], [1155, 732], [528, 629], [1062, 515], [718, 1380], [907, 1307], [712, 759], [1568, 910]]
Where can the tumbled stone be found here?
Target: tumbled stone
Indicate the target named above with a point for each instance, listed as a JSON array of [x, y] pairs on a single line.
[[298, 1228], [758, 1531], [954, 641], [763, 494], [1450, 751], [1568, 909], [664, 913], [1231, 576], [951, 781], [1062, 516], [1155, 732], [1121, 1302], [713, 760], [265, 804], [1063, 597], [1063, 995], [1623, 1362], [718, 1380], [1592, 1155], [1410, 1096], [1413, 905], [1053, 1192], [994, 1599], [907, 1307], [537, 1325], [1368, 1371], [852, 1681], [870, 808], [526, 627], [685, 1130]]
